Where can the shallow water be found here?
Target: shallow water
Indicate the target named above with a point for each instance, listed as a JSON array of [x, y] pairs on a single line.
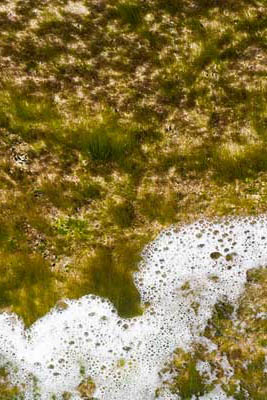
[[124, 356]]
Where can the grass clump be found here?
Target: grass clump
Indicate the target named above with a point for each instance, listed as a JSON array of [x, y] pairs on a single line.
[[101, 139], [105, 142]]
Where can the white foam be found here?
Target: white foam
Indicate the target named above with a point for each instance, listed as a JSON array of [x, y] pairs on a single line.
[[201, 263]]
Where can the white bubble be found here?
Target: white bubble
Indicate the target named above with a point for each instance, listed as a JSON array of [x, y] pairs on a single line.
[[202, 263]]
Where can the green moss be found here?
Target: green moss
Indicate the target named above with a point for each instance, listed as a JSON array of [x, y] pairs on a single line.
[[29, 110], [242, 349], [27, 286], [9, 393], [130, 13], [209, 53], [159, 207], [171, 6], [108, 274], [192, 385], [255, 275], [123, 214], [4, 233], [251, 379], [52, 25], [245, 163], [87, 191], [31, 117], [185, 286], [57, 193], [172, 91], [188, 381], [72, 226], [248, 367], [87, 388], [226, 162], [263, 342]]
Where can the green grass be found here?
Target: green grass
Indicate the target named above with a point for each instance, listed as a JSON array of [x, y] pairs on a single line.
[[102, 140], [240, 164], [227, 162], [105, 141], [33, 110]]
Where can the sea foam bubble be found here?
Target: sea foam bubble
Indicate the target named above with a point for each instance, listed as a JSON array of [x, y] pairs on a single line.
[[201, 263]]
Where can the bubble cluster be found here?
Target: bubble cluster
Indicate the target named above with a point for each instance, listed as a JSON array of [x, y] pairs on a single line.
[[184, 273]]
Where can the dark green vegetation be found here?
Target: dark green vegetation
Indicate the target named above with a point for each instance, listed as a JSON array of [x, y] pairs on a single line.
[[238, 364], [118, 118], [105, 274]]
